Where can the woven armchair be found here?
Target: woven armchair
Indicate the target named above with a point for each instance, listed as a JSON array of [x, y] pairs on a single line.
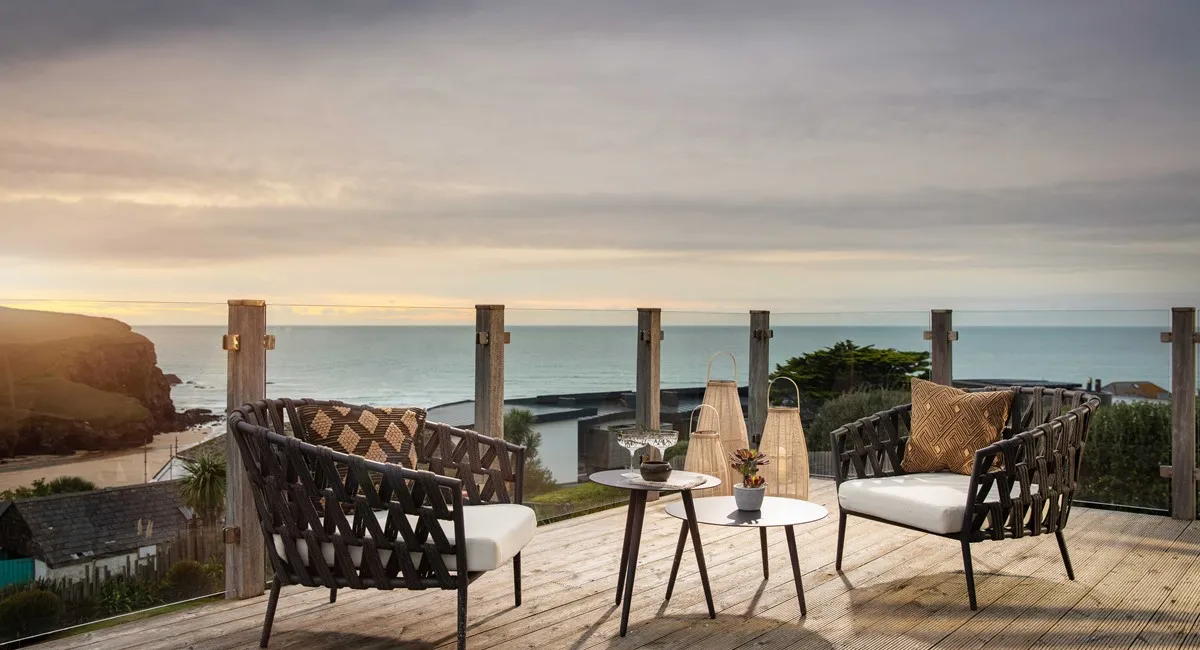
[[1028, 493], [382, 526]]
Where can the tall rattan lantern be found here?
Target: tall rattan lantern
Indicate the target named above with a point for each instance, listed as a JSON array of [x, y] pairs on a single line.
[[783, 443], [706, 456], [728, 421]]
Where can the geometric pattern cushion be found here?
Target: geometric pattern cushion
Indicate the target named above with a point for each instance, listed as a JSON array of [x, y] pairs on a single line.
[[385, 435], [949, 425]]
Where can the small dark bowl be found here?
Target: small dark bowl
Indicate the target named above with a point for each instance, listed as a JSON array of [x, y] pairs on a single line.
[[656, 470]]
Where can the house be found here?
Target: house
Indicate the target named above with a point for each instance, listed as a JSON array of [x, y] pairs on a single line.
[[176, 468], [1137, 390], [69, 535]]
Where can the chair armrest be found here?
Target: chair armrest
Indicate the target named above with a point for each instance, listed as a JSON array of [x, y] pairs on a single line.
[[873, 446], [491, 469]]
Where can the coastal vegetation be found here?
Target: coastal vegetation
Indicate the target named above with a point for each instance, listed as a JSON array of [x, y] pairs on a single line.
[[1126, 445], [43, 488], [844, 367], [848, 407], [203, 489], [519, 430]]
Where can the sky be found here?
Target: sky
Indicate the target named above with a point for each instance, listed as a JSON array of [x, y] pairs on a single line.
[[691, 155]]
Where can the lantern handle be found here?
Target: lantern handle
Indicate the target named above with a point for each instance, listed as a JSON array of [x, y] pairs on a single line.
[[692, 418], [771, 384], [708, 376]]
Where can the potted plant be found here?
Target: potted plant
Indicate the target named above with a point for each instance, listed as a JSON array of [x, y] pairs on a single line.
[[749, 495]]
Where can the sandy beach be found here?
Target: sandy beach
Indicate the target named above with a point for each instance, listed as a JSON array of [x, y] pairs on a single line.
[[104, 468]]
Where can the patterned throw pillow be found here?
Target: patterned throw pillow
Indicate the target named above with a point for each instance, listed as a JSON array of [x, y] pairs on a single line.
[[949, 425], [386, 435]]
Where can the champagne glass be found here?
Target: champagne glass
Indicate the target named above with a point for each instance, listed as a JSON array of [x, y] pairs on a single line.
[[662, 440], [629, 438]]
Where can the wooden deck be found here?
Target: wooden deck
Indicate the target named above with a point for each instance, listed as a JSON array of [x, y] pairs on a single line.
[[1138, 585]]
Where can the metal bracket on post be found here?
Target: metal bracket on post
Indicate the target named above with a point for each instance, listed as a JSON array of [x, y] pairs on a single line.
[[644, 335], [950, 336], [231, 342], [269, 341], [231, 535], [763, 334], [1168, 337], [483, 338]]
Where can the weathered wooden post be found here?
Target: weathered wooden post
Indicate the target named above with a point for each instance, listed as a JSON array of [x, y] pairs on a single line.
[[1183, 472], [649, 368], [246, 345], [941, 336], [490, 339], [760, 370]]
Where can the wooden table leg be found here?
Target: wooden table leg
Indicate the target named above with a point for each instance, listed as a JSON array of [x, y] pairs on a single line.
[[791, 541], [683, 533], [762, 536], [625, 548], [690, 508], [638, 498]]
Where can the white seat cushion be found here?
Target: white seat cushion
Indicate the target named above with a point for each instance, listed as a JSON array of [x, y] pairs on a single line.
[[934, 501], [495, 533]]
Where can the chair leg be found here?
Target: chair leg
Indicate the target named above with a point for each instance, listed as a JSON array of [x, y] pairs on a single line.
[[841, 540], [517, 578], [966, 550], [1062, 548], [462, 613], [274, 600], [333, 594]]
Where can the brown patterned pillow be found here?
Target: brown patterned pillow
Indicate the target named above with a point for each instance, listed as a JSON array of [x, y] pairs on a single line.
[[949, 425], [386, 435]]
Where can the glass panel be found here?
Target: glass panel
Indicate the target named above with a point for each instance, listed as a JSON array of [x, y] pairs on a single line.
[[1118, 351], [107, 408], [824, 353], [569, 381]]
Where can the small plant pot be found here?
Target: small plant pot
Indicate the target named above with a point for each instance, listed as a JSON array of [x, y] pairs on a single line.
[[655, 470], [748, 498]]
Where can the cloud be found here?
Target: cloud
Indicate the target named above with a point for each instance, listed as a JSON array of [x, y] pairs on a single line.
[[770, 135]]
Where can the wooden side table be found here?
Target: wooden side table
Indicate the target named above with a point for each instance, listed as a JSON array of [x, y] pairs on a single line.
[[633, 532]]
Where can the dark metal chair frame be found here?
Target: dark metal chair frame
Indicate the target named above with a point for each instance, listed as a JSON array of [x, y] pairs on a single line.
[[1039, 453], [301, 494]]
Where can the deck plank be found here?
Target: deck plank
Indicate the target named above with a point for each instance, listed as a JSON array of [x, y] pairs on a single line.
[[1138, 585]]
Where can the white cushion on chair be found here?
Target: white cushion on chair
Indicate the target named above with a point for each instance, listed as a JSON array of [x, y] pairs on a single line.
[[495, 533], [933, 501]]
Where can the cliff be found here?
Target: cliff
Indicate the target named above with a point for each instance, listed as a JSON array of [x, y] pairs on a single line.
[[71, 382]]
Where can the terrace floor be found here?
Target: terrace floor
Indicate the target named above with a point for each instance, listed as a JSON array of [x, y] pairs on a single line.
[[1138, 585]]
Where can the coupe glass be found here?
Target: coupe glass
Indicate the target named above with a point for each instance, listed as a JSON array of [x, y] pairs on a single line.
[[632, 440], [661, 440]]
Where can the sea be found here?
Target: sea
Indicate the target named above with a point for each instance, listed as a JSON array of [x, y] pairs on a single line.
[[433, 365]]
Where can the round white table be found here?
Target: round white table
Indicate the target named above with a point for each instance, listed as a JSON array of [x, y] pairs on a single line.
[[722, 511]]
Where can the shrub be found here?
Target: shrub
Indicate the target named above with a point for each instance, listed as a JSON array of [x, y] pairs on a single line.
[[186, 579], [847, 408], [123, 594], [43, 488], [1126, 444], [679, 450], [30, 612], [844, 367]]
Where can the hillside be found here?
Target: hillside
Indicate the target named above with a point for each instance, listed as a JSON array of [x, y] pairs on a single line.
[[71, 382]]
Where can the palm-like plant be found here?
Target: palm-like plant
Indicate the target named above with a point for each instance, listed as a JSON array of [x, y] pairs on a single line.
[[204, 488], [518, 429]]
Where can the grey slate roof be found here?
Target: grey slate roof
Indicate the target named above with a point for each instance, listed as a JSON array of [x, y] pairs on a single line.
[[67, 529]]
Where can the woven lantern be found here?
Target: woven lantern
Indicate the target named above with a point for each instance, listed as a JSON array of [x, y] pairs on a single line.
[[783, 443], [727, 420], [706, 456]]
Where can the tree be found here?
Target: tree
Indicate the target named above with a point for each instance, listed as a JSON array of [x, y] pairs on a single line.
[[43, 488], [203, 489], [518, 429], [845, 367]]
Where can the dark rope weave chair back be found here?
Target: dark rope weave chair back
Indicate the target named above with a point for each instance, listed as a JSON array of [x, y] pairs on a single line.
[[391, 524]]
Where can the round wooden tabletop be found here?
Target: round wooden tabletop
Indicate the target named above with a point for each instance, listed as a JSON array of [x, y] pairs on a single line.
[[775, 511], [616, 478]]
